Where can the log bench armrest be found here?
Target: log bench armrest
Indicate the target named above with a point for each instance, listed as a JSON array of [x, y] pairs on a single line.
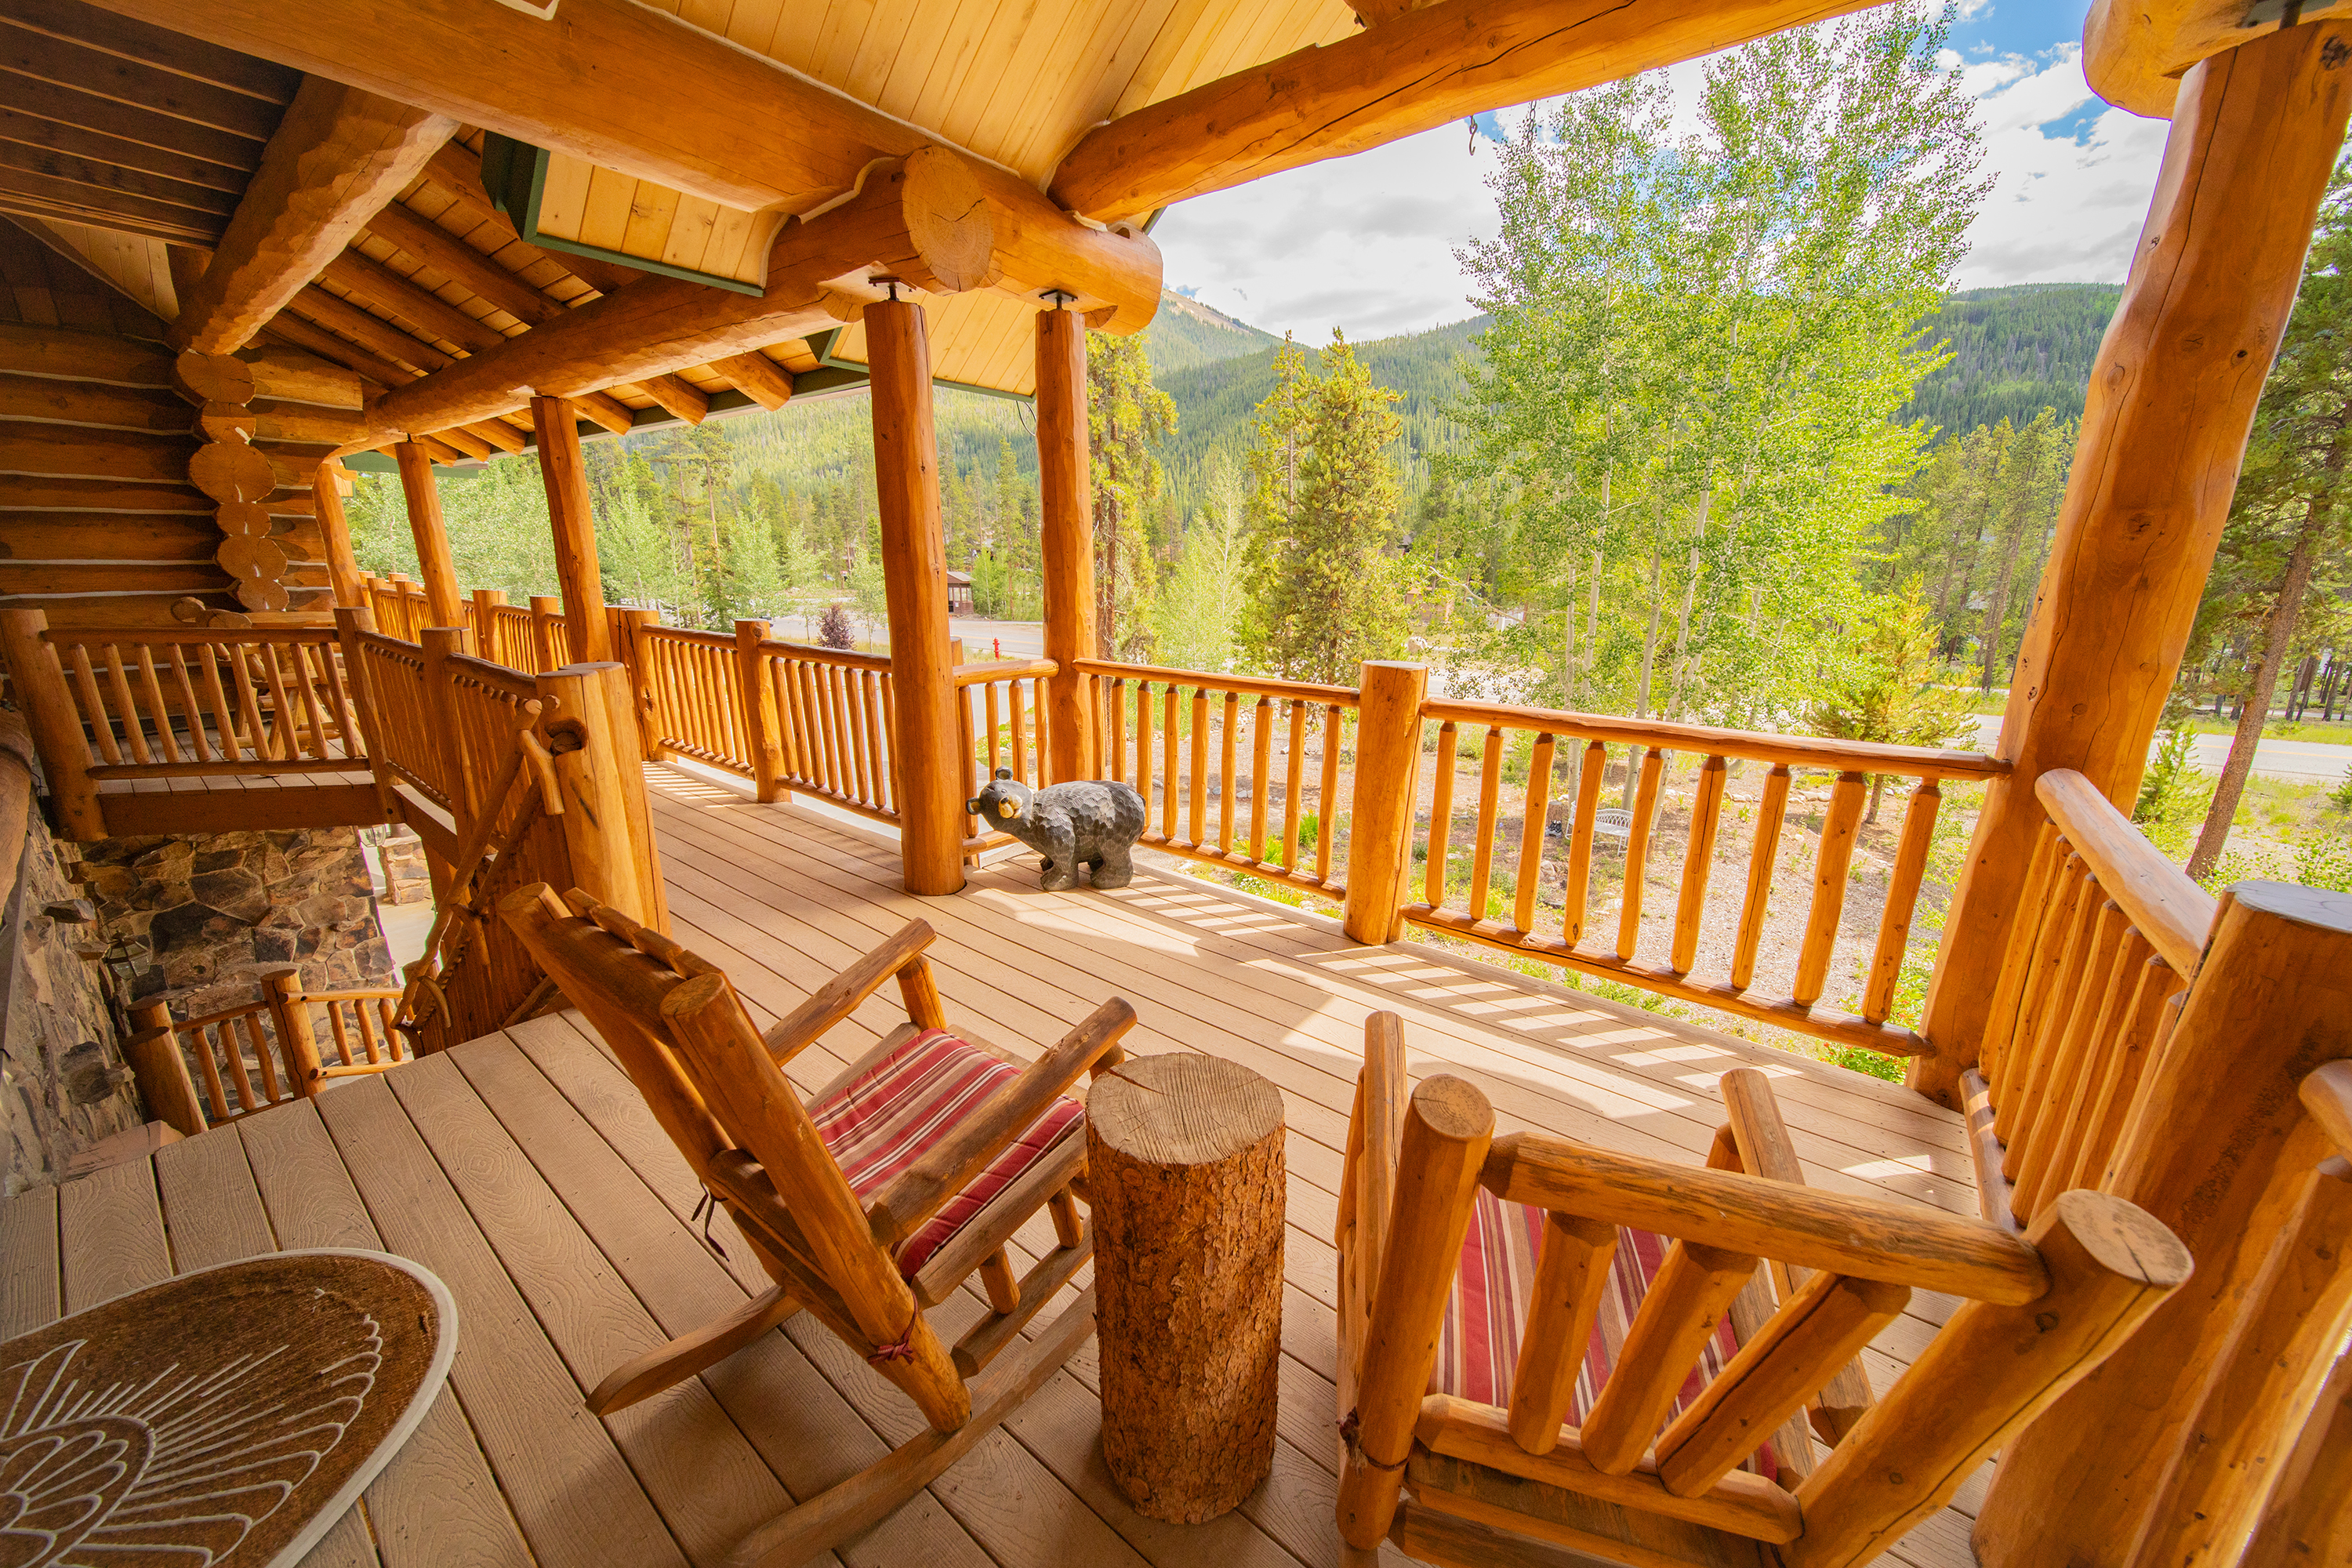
[[840, 997], [949, 1166]]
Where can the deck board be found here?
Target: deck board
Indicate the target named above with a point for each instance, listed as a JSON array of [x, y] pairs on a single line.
[[524, 1170]]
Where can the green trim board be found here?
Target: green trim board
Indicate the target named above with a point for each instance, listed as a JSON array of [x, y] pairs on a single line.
[[515, 175], [822, 345]]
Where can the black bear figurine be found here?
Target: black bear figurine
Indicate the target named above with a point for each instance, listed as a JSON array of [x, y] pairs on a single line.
[[1090, 824]]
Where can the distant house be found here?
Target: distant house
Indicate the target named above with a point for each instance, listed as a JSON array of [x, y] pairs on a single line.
[[959, 593]]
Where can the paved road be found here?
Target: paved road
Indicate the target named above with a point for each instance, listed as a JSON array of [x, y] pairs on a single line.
[[2297, 762], [1014, 639]]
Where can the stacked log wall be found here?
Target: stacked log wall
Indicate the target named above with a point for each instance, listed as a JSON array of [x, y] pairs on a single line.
[[107, 455]]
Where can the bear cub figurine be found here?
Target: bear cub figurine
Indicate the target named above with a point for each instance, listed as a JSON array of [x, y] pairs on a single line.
[[1093, 823]]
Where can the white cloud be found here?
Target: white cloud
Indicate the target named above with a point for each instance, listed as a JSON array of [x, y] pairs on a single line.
[[1367, 243], [2072, 177]]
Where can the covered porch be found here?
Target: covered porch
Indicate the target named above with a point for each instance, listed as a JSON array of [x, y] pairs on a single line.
[[525, 1169]]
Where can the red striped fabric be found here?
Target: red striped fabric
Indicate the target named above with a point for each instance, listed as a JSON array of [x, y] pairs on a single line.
[[881, 1123], [1478, 1344]]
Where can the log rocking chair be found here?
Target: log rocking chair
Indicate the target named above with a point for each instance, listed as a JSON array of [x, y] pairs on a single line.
[[897, 1182], [1542, 1362]]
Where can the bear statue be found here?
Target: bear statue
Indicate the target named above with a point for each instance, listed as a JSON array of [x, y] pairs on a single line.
[[1093, 823]]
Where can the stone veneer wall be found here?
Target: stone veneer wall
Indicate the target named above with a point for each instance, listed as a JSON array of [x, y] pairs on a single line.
[[66, 1083], [205, 914]]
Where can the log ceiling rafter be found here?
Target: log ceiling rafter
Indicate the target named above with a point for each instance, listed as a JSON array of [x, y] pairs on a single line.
[[1410, 73], [338, 156]]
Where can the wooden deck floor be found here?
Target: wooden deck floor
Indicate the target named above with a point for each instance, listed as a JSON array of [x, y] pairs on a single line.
[[523, 1169]]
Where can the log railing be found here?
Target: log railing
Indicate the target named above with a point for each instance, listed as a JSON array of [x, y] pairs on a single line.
[[2106, 943], [398, 605], [697, 705], [1582, 932], [258, 1054], [183, 703], [1177, 736], [409, 744], [1002, 709], [833, 716]]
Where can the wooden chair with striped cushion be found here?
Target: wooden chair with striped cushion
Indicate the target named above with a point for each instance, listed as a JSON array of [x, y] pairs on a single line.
[[1545, 1345], [899, 1180]]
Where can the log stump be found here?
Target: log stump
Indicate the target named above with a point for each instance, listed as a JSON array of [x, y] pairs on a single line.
[[1185, 1175]]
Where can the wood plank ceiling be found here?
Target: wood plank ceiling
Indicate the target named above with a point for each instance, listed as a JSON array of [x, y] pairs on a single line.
[[129, 145]]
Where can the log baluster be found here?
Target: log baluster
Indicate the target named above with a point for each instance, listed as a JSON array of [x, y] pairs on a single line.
[[1228, 786], [1533, 810], [1197, 783], [1260, 754], [1903, 880], [1170, 776], [1840, 824], [1637, 846], [1327, 804], [1591, 765], [1698, 863], [1440, 815], [1294, 780], [1482, 856], [1763, 858]]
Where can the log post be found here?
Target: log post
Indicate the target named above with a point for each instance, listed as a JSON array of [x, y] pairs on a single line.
[[434, 562], [914, 575], [2254, 137], [342, 566], [2217, 1149], [1065, 542], [485, 605], [761, 726], [49, 713], [549, 649], [160, 1071], [1388, 769], [568, 513], [1990, 1371], [1184, 1169], [643, 700], [298, 1042], [592, 760]]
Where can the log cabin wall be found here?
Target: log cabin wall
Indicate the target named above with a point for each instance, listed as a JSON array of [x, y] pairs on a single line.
[[105, 461]]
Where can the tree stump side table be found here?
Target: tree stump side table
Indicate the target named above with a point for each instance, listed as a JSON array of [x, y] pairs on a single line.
[[1185, 1174]]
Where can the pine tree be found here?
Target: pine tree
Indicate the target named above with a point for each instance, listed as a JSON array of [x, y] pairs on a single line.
[[1326, 587], [1884, 687], [1126, 417]]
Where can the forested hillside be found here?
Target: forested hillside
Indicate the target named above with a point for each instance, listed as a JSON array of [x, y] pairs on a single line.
[[2015, 351], [1187, 333]]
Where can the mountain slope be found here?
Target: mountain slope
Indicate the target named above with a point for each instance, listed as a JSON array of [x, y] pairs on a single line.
[[2015, 351], [1186, 333]]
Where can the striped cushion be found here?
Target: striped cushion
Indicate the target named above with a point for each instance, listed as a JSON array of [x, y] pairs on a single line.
[[1478, 1345], [879, 1123]]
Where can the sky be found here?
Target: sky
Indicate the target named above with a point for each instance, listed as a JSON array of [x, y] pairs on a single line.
[[1367, 243]]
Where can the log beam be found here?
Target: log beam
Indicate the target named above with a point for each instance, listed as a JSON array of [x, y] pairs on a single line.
[[758, 377], [2135, 52], [1066, 544], [665, 324], [339, 156], [586, 630], [913, 575], [677, 397], [1412, 73], [2172, 397], [373, 283]]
